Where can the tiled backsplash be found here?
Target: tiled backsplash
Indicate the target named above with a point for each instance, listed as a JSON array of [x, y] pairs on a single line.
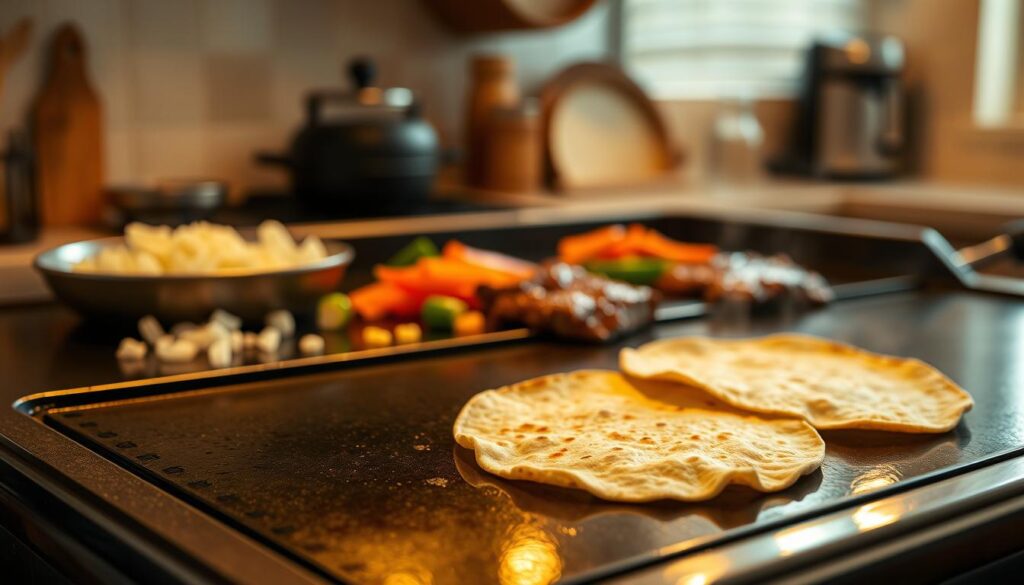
[[193, 87]]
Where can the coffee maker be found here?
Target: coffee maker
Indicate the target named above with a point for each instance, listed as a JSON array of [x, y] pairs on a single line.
[[850, 122]]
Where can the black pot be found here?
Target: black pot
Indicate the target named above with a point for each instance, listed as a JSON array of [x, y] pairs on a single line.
[[364, 151]]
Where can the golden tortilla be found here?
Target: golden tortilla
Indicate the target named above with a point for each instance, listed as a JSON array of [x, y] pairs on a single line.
[[597, 431], [828, 384]]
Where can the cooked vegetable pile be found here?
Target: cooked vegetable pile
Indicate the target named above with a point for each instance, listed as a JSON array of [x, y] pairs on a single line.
[[636, 254], [420, 281]]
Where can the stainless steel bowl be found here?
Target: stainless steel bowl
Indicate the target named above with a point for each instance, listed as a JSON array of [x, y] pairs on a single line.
[[177, 298]]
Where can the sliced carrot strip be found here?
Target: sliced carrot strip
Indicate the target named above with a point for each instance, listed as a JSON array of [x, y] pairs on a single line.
[[656, 244], [456, 250], [457, 275], [634, 241], [441, 276], [582, 247], [380, 299], [628, 245]]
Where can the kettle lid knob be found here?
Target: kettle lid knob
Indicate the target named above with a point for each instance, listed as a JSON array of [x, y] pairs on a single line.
[[362, 71]]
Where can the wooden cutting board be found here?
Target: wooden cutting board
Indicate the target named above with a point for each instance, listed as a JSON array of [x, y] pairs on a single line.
[[12, 47], [68, 133], [601, 130]]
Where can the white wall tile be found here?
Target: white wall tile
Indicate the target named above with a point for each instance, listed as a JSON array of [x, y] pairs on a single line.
[[120, 154], [167, 87], [237, 25], [160, 24], [165, 152], [237, 87], [231, 150]]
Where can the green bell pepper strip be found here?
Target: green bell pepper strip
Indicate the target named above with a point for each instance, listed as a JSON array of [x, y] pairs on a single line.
[[421, 247], [644, 271]]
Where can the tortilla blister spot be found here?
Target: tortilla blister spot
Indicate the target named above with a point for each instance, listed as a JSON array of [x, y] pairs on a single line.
[[829, 384], [602, 434]]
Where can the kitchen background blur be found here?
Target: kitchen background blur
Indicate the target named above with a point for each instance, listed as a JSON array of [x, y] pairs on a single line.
[[195, 89], [192, 88]]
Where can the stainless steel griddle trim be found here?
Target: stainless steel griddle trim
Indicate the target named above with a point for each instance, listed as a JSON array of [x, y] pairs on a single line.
[[533, 217], [849, 529]]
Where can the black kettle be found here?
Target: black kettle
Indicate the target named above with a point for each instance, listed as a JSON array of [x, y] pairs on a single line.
[[361, 152]]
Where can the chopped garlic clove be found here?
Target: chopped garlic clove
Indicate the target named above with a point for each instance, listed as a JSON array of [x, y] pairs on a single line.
[[229, 321], [269, 340], [250, 341], [131, 349], [237, 339], [150, 329], [219, 353], [283, 321], [179, 351], [311, 344]]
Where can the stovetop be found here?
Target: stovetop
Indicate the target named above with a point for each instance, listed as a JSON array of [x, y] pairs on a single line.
[[287, 209]]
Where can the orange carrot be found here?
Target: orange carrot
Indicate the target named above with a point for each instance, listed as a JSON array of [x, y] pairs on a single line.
[[582, 247], [656, 244], [380, 299], [442, 276], [496, 261], [446, 270], [616, 241], [628, 245]]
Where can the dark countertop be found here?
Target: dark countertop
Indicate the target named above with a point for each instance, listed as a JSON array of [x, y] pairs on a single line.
[[47, 347]]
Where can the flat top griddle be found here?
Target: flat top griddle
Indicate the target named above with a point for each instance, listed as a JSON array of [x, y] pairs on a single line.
[[355, 474]]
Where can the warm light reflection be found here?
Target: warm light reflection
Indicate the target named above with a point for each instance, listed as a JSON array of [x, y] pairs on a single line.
[[876, 514], [858, 51], [529, 558], [874, 479], [794, 540], [409, 578], [695, 579], [699, 570]]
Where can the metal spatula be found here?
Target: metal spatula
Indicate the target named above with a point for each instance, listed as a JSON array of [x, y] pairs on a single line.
[[1009, 243]]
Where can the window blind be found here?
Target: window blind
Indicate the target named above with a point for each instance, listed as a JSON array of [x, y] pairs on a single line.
[[727, 48]]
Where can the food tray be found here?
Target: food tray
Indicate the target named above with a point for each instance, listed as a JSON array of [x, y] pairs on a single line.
[[858, 257]]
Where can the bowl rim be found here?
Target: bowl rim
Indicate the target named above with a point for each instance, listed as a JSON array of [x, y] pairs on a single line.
[[47, 262]]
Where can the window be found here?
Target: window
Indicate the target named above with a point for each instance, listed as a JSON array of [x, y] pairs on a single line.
[[727, 48], [998, 91]]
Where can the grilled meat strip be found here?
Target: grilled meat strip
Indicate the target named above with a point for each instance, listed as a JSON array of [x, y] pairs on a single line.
[[569, 302], [746, 276]]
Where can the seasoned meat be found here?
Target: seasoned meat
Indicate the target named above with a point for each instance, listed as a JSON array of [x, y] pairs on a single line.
[[746, 275], [569, 302]]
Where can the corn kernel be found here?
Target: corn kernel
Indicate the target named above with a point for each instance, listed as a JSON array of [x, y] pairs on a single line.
[[408, 333], [376, 337], [468, 323]]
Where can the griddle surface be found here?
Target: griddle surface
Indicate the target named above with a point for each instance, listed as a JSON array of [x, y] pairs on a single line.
[[355, 472]]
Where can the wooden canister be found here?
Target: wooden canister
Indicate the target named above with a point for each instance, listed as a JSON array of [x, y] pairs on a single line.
[[493, 85], [513, 154]]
